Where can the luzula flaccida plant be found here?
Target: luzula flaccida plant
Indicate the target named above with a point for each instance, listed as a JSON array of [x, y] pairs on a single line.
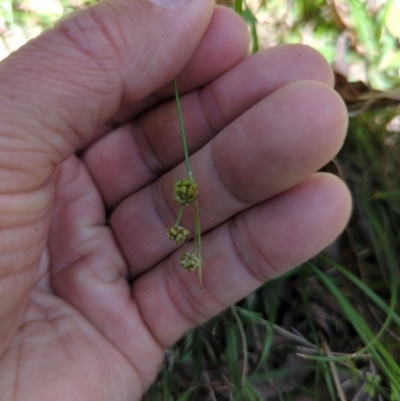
[[186, 193]]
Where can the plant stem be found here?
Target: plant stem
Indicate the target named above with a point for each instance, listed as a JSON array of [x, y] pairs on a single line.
[[239, 6], [178, 219], [185, 148], [197, 239]]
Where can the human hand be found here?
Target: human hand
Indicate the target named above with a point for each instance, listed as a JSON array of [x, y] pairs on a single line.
[[89, 129]]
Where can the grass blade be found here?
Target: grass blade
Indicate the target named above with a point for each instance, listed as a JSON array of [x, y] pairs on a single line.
[[383, 359]]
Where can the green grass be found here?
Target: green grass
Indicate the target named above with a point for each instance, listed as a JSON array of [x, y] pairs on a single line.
[[331, 328]]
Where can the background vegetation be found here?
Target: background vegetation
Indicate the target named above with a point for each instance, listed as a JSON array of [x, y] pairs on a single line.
[[330, 329]]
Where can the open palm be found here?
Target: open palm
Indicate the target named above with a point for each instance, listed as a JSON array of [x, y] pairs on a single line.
[[91, 290]]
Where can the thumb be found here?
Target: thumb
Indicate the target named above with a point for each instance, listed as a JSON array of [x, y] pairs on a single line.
[[54, 92]]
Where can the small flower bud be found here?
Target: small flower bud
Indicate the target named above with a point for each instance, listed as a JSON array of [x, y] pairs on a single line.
[[185, 191], [178, 234], [190, 261]]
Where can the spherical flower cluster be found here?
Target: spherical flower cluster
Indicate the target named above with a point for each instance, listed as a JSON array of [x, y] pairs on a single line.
[[190, 261], [178, 234], [185, 191]]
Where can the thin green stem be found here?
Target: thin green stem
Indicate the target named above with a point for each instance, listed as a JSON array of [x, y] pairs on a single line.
[[185, 148], [239, 6], [178, 219], [197, 240]]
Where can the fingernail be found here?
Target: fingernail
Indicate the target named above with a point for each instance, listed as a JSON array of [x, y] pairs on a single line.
[[169, 3]]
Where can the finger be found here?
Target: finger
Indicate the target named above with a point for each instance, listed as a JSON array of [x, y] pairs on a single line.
[[56, 90], [273, 146], [137, 153], [60, 87], [257, 245], [224, 44]]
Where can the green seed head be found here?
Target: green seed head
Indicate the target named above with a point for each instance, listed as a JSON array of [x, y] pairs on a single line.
[[190, 261], [185, 191], [178, 234]]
